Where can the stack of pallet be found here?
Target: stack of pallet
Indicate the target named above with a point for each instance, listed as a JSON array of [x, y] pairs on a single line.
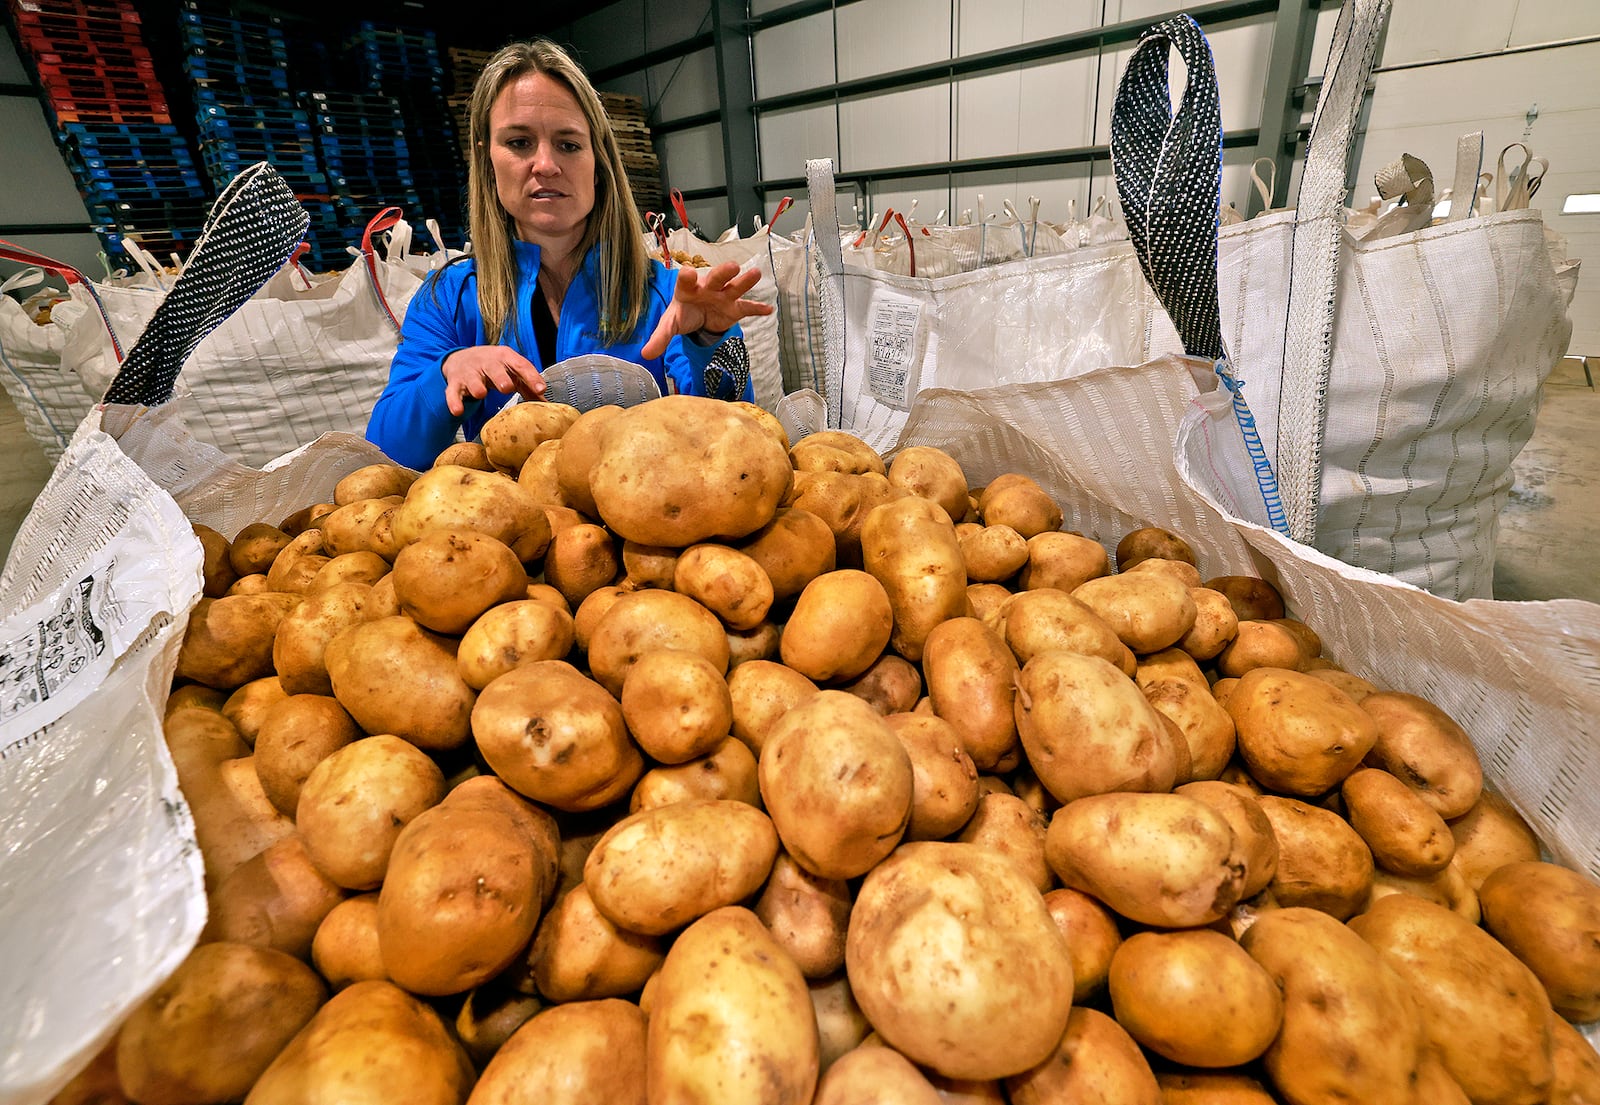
[[465, 65], [628, 121], [132, 167], [361, 140]]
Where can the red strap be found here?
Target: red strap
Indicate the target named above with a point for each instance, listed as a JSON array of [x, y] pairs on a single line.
[[862, 237], [910, 243], [294, 259], [658, 227], [383, 220], [783, 205], [678, 206], [10, 251]]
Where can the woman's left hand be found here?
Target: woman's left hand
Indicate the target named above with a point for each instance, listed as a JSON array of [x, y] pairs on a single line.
[[706, 301]]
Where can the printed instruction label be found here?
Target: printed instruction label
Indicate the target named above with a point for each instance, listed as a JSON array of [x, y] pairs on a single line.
[[894, 351], [61, 642]]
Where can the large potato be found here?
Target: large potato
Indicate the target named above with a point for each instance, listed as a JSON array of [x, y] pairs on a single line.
[[1160, 859], [1490, 835], [944, 780], [211, 1028], [447, 577], [1251, 827], [1095, 1061], [1549, 917], [792, 549], [276, 900], [727, 771], [1351, 1029], [1420, 743], [910, 547], [374, 481], [1576, 1064], [1484, 1012], [762, 692], [1087, 729], [840, 624], [957, 963], [683, 469], [725, 581], [676, 704], [644, 621], [873, 1075], [455, 498], [731, 1019], [1149, 611], [1195, 997], [352, 527], [1006, 824], [835, 451], [575, 461], [577, 1054], [842, 500], [1064, 561], [1322, 862], [659, 869], [1298, 735], [255, 547], [1207, 728], [932, 474], [396, 677], [296, 735], [1405, 834], [513, 432], [466, 882], [833, 830], [807, 915], [1215, 624], [579, 955], [1092, 936], [1017, 501], [228, 641], [371, 1040], [991, 553], [507, 636], [556, 736], [355, 802], [1047, 620], [972, 683]]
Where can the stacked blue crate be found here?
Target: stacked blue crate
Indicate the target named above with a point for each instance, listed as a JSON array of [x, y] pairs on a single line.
[[365, 149], [406, 64]]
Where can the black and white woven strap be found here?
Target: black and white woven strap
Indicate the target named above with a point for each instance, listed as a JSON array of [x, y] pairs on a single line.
[[1169, 174], [728, 372], [251, 231]]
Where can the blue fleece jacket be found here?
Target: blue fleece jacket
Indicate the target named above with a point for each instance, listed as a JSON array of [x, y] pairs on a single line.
[[411, 423]]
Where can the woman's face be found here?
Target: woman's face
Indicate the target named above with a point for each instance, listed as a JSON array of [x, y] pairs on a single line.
[[543, 158]]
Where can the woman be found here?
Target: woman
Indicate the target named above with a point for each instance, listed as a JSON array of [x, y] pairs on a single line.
[[559, 268]]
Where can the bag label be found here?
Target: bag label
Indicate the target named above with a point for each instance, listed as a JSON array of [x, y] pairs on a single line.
[[57, 650], [894, 351]]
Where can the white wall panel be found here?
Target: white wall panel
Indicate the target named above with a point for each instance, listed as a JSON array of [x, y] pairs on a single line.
[[895, 128], [692, 158], [1548, 20], [1038, 107], [38, 188], [983, 25], [794, 56], [675, 22], [633, 84], [611, 35], [711, 216], [880, 36], [789, 138], [684, 86], [1423, 29], [11, 70]]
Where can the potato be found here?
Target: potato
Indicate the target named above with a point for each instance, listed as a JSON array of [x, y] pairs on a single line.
[[1194, 997], [1095, 1060], [1211, 1088], [216, 568], [984, 601], [581, 559], [1352, 685], [1549, 917], [489, 503], [1104, 845], [1090, 930], [513, 432], [991, 553], [842, 500], [759, 643], [375, 481], [1483, 1011], [944, 781], [538, 477], [579, 955], [345, 947], [1252, 598], [645, 621], [1308, 638], [727, 771], [549, 596], [447, 577], [1148, 611], [195, 696], [835, 831], [933, 474], [523, 631], [275, 900], [648, 566], [957, 963], [248, 706], [807, 915], [383, 602], [1404, 833], [792, 549], [1351, 1031], [556, 737], [1180, 570], [489, 1017], [659, 869], [1047, 620], [297, 563], [575, 461], [1088, 730], [1421, 744], [588, 1051], [368, 1041], [350, 529], [836, 451], [1260, 645], [1448, 888], [1251, 828], [683, 469], [296, 735], [255, 547], [676, 705], [1151, 541], [871, 1075], [972, 679], [725, 581], [910, 547], [1215, 624], [1008, 825], [233, 820], [1208, 729], [1017, 501], [395, 677], [307, 517], [210, 1029], [1322, 862], [356, 567], [356, 801], [466, 454], [762, 692], [841, 623], [228, 641], [769, 421], [248, 585], [1576, 1080], [1297, 734], [1490, 835], [841, 1025], [1064, 561], [466, 882], [892, 685]]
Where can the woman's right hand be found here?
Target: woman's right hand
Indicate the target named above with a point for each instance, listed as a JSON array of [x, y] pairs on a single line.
[[472, 372]]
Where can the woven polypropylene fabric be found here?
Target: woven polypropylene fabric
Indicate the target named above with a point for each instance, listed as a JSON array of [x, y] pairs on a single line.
[[49, 398], [597, 380], [251, 231]]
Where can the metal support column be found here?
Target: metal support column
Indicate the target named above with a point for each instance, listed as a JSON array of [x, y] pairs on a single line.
[[730, 28], [1281, 103]]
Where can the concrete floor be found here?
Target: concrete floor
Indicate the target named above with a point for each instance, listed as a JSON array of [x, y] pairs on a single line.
[[1548, 532]]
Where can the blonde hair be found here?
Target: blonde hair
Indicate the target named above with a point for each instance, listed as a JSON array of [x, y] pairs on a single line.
[[624, 262]]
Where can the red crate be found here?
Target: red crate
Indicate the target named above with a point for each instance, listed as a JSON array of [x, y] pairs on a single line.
[[108, 111]]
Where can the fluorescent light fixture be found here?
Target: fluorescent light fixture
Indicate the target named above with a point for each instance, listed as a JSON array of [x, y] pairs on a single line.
[[1441, 210], [1582, 203]]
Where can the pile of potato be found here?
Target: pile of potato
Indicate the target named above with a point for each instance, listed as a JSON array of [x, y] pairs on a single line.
[[644, 756]]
